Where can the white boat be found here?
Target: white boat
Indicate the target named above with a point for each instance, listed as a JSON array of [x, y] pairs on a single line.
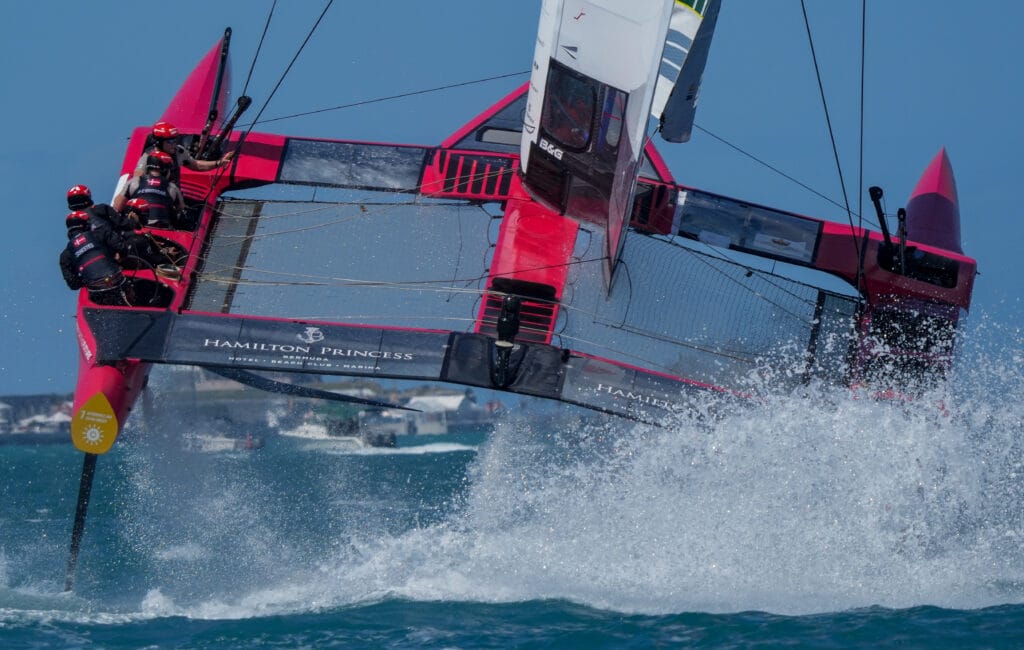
[[311, 431], [317, 429], [215, 443]]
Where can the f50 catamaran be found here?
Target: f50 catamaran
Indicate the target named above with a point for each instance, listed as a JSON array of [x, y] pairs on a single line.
[[543, 249]]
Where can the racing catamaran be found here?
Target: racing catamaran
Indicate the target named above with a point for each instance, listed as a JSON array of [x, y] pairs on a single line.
[[543, 249]]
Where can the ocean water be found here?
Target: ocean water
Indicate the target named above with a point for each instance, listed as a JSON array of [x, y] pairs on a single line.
[[811, 520]]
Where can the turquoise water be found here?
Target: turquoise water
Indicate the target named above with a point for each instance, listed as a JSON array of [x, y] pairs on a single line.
[[814, 521]]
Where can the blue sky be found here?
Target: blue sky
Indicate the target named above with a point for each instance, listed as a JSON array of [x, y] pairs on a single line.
[[76, 83]]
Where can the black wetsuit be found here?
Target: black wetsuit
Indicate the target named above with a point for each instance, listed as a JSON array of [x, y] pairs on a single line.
[[102, 216], [87, 261]]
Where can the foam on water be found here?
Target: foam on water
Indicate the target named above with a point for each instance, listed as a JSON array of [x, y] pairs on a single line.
[[813, 501], [416, 450]]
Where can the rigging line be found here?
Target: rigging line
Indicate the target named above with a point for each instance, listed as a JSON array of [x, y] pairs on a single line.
[[860, 154], [259, 46], [317, 226], [327, 205], [662, 339], [451, 203], [769, 166], [320, 207], [425, 191], [388, 98], [288, 69], [458, 254], [593, 345], [758, 294], [831, 133], [640, 360], [767, 277], [562, 336], [242, 240], [341, 281], [241, 140], [342, 219], [629, 293], [323, 206], [593, 315], [567, 307]]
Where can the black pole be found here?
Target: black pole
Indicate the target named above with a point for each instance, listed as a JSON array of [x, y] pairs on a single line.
[[507, 326], [213, 148], [876, 198], [84, 490], [212, 114], [901, 217]]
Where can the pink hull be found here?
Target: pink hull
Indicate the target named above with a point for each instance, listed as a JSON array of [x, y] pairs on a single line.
[[933, 212], [122, 382], [191, 105]]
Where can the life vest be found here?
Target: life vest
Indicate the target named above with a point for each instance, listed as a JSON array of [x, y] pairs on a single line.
[[161, 206], [95, 266]]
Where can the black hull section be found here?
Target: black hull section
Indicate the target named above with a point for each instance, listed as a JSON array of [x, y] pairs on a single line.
[[279, 345]]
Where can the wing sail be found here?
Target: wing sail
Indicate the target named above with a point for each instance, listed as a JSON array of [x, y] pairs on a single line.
[[682, 67], [587, 111]]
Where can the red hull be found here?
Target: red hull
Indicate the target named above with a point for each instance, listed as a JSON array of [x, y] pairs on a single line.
[[534, 247], [933, 212], [121, 383]]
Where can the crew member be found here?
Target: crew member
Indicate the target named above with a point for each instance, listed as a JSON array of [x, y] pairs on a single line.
[[88, 261], [140, 244], [162, 195], [101, 215], [165, 138]]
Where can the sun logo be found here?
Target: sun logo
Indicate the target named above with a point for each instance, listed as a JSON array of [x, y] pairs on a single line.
[[94, 427], [93, 435]]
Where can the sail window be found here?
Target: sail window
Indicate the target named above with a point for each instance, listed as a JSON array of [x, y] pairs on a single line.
[[355, 165], [569, 105], [727, 223], [500, 136]]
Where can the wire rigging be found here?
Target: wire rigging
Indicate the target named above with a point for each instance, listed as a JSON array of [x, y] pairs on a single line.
[[376, 100], [425, 91], [289, 67], [449, 285], [860, 155], [259, 46], [860, 152], [828, 118], [701, 257], [832, 137], [769, 166]]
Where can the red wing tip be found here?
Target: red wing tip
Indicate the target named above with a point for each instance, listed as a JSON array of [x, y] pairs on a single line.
[[937, 178]]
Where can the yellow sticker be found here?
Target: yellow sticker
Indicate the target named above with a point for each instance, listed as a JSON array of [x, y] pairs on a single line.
[[94, 427]]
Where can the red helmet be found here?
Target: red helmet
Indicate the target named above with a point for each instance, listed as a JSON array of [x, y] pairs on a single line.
[[159, 160], [164, 131], [137, 205], [77, 219], [79, 197]]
